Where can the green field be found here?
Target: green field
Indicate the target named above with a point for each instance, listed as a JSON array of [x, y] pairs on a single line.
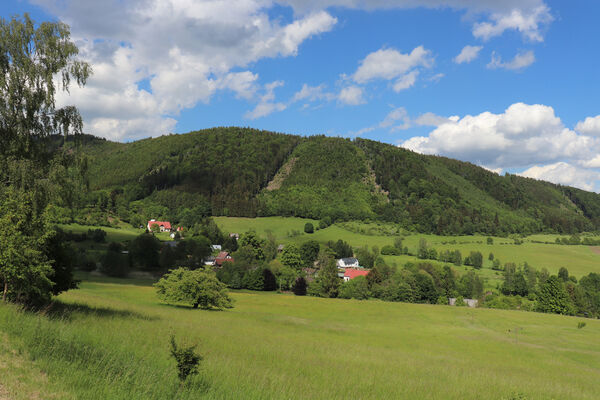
[[110, 341], [579, 260]]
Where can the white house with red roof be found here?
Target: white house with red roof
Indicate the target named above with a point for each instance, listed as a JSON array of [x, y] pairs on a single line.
[[164, 226], [351, 273]]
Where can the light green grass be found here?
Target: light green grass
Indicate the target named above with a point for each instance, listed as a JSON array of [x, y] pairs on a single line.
[[579, 260], [114, 234], [270, 346]]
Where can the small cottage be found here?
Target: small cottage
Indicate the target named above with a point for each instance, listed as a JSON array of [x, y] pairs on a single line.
[[164, 226]]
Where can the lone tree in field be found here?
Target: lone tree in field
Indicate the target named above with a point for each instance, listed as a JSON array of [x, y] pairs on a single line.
[[198, 288], [30, 58]]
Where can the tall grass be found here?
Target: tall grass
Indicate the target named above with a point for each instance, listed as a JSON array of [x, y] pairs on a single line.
[[110, 340]]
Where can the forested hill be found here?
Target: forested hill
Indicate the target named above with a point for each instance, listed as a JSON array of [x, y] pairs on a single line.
[[246, 172]]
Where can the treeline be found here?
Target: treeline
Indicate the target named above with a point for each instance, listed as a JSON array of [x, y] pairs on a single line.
[[526, 288]]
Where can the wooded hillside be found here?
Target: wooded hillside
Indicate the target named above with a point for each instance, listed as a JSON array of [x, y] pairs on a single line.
[[226, 171]]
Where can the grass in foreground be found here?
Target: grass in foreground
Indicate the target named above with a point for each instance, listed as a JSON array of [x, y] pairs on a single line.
[[110, 341]]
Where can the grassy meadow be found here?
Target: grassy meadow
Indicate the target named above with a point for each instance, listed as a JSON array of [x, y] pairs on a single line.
[[109, 340]]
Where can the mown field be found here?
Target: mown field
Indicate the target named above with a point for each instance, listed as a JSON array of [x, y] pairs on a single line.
[[109, 340], [579, 260]]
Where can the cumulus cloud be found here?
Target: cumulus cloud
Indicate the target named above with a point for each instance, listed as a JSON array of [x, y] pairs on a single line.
[[589, 126], [521, 136], [565, 174], [526, 21], [529, 17], [521, 60], [467, 54], [155, 58], [351, 95], [267, 104], [390, 64]]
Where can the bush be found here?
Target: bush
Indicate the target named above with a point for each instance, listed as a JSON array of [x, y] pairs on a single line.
[[97, 235], [186, 358], [309, 228], [299, 287], [113, 263], [391, 250], [356, 288]]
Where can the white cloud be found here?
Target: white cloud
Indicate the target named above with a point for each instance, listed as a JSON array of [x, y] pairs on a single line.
[[390, 64], [527, 22], [430, 119], [522, 136], [406, 81], [589, 126], [267, 105], [529, 17], [351, 95], [565, 174], [521, 60], [467, 54], [398, 120], [313, 93], [181, 51]]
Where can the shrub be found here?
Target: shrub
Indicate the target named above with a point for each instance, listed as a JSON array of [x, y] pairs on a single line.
[[391, 250], [581, 325], [309, 228], [299, 287], [186, 358], [356, 288], [97, 235]]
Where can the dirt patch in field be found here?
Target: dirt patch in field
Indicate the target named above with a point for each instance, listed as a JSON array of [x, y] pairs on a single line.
[[595, 249]]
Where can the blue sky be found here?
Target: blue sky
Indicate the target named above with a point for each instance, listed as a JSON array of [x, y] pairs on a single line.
[[522, 97]]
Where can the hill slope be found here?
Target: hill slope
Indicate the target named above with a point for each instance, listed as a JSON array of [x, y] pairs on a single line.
[[246, 172]]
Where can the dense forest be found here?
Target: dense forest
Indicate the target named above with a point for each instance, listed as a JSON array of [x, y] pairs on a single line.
[[247, 172]]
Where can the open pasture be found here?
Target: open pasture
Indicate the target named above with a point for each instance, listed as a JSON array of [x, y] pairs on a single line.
[[109, 340]]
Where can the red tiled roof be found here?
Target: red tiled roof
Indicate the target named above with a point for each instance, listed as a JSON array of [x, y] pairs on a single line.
[[353, 273], [164, 224], [222, 257]]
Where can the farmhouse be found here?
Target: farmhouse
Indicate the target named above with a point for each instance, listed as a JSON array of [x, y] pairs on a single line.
[[350, 262], [223, 257], [352, 273], [164, 226]]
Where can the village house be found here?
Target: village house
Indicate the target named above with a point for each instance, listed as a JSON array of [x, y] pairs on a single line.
[[216, 247], [350, 262], [210, 260], [223, 257], [164, 226], [351, 273]]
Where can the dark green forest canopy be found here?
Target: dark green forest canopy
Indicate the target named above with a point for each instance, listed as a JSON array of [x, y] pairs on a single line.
[[247, 172]]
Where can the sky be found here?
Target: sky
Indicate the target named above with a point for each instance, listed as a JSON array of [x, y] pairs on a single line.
[[509, 85]]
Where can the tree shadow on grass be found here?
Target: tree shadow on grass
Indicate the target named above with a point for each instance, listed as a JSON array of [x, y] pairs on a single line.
[[188, 307], [65, 311]]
